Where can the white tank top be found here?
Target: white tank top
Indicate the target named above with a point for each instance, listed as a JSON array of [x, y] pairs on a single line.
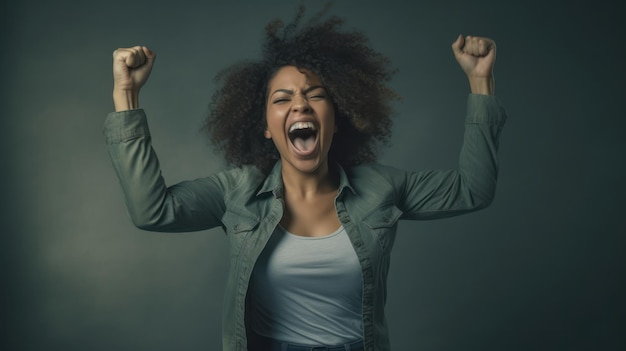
[[307, 290]]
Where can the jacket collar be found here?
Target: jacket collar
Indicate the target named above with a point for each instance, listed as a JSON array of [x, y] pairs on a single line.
[[274, 182]]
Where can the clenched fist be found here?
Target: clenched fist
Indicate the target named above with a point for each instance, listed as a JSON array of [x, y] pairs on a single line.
[[131, 69], [476, 56]]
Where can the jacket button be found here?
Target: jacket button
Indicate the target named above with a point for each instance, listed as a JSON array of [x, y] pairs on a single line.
[[236, 227]]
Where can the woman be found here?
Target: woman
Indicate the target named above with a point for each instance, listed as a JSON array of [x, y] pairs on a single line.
[[311, 219]]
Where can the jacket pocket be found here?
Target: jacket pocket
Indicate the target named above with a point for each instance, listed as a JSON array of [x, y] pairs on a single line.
[[238, 227], [382, 221]]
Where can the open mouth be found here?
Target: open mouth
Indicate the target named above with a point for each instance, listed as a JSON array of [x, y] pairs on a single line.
[[303, 136]]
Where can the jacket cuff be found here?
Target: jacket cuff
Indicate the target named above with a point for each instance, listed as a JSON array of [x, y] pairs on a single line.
[[125, 125], [485, 109]]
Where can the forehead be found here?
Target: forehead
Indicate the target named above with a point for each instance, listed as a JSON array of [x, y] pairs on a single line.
[[293, 77]]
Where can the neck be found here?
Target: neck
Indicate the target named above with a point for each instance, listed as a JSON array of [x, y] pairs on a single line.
[[320, 181]]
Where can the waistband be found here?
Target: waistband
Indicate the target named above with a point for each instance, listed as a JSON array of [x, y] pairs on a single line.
[[262, 343]]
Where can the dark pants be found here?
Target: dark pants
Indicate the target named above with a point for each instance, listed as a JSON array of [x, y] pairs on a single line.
[[261, 343]]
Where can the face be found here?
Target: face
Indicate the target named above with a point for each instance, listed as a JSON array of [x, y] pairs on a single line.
[[300, 119]]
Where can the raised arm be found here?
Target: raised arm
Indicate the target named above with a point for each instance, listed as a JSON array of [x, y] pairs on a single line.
[[472, 185], [188, 206]]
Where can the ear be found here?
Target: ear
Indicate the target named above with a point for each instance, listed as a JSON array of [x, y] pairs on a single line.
[[267, 134]]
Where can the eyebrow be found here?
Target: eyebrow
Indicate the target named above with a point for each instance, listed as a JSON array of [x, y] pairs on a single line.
[[290, 92]]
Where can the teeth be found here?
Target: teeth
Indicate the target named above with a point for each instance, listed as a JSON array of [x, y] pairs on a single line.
[[302, 125]]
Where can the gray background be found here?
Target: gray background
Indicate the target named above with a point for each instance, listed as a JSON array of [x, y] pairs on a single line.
[[541, 269]]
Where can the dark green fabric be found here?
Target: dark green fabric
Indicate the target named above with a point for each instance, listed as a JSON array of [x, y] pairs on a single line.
[[249, 205]]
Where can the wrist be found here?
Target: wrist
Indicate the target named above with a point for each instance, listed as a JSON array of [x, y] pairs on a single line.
[[482, 85], [125, 99]]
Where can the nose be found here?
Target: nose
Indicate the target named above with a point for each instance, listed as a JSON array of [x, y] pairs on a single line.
[[300, 104]]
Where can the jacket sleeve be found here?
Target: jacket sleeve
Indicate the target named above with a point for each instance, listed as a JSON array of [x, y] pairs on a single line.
[[470, 187], [187, 206]]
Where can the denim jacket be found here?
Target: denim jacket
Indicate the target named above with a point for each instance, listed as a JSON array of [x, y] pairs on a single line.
[[248, 205]]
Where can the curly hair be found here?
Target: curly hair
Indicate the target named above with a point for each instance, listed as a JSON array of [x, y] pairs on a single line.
[[354, 75]]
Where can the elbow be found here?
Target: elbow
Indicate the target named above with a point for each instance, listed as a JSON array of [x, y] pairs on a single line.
[[145, 226], [142, 223], [479, 192], [144, 220], [482, 199], [484, 202]]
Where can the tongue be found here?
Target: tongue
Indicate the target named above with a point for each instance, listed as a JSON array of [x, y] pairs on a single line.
[[304, 144]]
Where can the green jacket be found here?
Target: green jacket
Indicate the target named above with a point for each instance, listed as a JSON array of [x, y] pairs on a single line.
[[248, 205]]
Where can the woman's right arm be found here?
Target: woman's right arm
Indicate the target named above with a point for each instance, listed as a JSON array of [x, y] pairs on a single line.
[[188, 206]]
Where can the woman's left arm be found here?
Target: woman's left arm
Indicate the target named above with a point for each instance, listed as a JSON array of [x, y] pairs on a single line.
[[436, 194]]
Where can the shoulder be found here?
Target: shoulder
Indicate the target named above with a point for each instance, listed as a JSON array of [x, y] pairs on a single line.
[[375, 172], [374, 179], [245, 178]]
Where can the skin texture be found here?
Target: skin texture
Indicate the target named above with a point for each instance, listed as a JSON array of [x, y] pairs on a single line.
[[355, 75], [131, 69], [298, 95], [476, 56]]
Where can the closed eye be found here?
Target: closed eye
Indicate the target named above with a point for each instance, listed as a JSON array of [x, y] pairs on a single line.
[[280, 100]]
